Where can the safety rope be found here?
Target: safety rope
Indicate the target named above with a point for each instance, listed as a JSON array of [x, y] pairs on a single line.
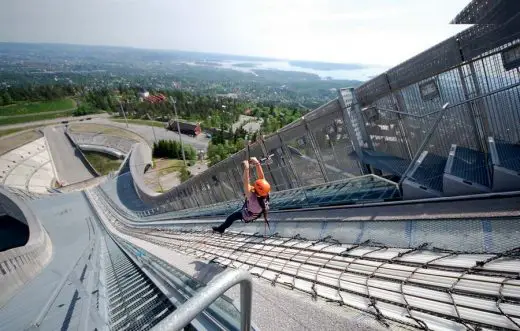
[[331, 242], [501, 299], [420, 322], [291, 285], [261, 248], [294, 238]]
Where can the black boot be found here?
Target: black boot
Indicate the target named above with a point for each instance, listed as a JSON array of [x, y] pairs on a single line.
[[217, 229]]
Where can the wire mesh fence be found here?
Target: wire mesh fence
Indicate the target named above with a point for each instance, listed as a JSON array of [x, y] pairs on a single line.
[[390, 116]]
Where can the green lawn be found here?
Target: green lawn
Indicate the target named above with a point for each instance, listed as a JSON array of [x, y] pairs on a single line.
[[35, 117], [24, 108], [140, 122], [10, 131], [166, 166], [103, 163], [17, 140]]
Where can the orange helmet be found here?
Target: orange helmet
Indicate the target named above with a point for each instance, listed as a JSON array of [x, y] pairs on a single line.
[[262, 187]]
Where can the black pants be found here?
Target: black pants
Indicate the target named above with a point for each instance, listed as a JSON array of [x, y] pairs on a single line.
[[230, 220]]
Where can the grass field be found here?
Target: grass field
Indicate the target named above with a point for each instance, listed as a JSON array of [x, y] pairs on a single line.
[[103, 129], [26, 108], [164, 175], [167, 166], [103, 163], [18, 140], [140, 122], [36, 117], [14, 130]]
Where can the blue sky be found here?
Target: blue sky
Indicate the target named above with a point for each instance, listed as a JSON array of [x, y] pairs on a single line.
[[383, 32]]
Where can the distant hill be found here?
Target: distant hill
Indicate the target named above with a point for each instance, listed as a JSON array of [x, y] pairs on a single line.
[[247, 77]]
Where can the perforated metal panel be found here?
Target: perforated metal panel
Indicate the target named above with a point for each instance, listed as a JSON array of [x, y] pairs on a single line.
[[335, 146], [487, 12], [430, 62], [483, 38], [328, 108], [373, 89]]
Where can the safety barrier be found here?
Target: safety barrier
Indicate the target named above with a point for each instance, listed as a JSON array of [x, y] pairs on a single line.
[[139, 162], [358, 190], [21, 264], [385, 124]]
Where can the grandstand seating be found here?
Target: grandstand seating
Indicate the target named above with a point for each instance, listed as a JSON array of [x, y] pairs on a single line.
[[27, 167]]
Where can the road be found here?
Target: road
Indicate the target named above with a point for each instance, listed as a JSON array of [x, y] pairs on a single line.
[[200, 142], [68, 163], [53, 121]]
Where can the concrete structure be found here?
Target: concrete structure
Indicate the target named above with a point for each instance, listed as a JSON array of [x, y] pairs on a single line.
[[113, 145], [21, 264], [70, 166], [199, 142], [28, 167]]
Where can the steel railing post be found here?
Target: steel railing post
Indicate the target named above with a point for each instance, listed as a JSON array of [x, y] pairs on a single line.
[[424, 142], [207, 295]]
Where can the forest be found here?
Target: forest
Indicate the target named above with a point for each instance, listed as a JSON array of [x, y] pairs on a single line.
[[217, 113]]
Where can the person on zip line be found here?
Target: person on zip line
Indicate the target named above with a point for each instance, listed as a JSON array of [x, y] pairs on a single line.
[[257, 198]]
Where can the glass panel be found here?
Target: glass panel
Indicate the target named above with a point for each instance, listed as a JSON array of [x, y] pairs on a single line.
[[279, 172], [298, 145]]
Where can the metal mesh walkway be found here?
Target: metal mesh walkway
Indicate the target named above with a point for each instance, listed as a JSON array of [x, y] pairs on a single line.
[[134, 302], [433, 288]]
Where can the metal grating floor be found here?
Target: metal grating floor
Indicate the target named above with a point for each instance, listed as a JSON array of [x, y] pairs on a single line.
[[134, 302]]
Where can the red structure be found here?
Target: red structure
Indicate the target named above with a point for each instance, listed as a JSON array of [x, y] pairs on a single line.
[[156, 98], [191, 129]]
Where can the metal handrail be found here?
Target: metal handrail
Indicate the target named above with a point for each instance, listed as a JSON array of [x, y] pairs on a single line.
[[207, 295], [424, 142], [400, 112], [478, 97]]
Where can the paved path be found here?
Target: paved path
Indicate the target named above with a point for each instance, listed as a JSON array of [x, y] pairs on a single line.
[[69, 165], [200, 142]]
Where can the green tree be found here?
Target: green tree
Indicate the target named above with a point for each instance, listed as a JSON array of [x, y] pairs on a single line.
[[7, 100], [185, 174]]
